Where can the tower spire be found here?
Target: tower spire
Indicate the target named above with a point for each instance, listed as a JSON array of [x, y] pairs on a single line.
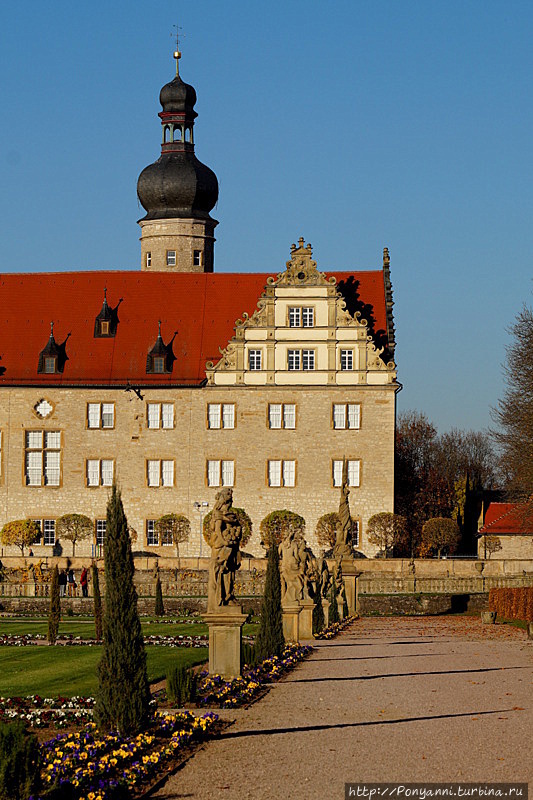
[[177, 53]]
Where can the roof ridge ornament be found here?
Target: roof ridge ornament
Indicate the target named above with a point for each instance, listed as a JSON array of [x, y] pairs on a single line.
[[301, 269]]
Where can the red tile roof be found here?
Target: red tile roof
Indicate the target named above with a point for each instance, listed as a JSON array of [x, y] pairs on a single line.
[[503, 518], [201, 307]]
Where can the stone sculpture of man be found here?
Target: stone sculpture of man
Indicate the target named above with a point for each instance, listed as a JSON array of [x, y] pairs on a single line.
[[225, 538], [325, 575], [291, 569], [344, 525]]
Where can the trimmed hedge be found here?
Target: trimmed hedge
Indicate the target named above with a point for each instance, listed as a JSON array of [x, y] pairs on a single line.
[[512, 603]]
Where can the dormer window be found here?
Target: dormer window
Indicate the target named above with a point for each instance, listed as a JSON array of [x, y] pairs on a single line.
[[160, 358], [53, 357], [197, 258], [171, 258], [106, 323]]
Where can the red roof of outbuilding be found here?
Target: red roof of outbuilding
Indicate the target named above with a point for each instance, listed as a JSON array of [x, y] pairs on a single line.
[[201, 307], [503, 518]]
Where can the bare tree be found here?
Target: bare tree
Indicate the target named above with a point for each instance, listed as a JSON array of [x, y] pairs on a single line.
[[491, 544], [514, 414]]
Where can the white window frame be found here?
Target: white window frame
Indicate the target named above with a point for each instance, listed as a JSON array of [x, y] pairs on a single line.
[[281, 473], [160, 473], [148, 259], [100, 526], [220, 415], [308, 360], [346, 416], [347, 360], [171, 258], [255, 360], [99, 414], [301, 317], [354, 472], [160, 416], [47, 527], [284, 419], [220, 472], [152, 537], [197, 258], [99, 472], [294, 360], [42, 457]]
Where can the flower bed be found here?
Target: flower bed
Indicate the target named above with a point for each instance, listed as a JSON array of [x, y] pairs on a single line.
[[95, 764], [332, 630], [213, 690], [69, 640], [41, 712]]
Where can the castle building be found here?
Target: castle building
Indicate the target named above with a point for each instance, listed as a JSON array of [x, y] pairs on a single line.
[[175, 380]]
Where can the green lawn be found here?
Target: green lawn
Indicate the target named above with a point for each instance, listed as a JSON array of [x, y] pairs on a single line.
[[84, 626], [68, 671]]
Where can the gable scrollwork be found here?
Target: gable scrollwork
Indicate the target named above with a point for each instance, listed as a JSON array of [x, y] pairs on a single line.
[[301, 270]]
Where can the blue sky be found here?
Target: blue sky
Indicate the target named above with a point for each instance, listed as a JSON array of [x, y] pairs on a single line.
[[357, 125]]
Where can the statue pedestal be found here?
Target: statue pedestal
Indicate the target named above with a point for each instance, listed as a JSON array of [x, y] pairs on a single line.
[[306, 619], [350, 575], [291, 627], [325, 605], [340, 606], [225, 637]]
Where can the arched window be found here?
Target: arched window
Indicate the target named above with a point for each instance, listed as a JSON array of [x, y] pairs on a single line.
[[188, 134], [177, 133], [166, 133]]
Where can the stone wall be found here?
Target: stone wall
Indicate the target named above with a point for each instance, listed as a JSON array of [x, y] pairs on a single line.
[[415, 604]]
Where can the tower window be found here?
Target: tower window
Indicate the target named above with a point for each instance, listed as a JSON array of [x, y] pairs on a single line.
[[197, 258], [148, 259], [159, 364], [301, 317], [171, 258], [50, 365], [254, 360], [346, 359]]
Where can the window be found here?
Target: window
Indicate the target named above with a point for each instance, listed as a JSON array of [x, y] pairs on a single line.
[[355, 532], [346, 415], [158, 365], [160, 415], [346, 359], [171, 258], [301, 359], [148, 259], [100, 415], [50, 364], [48, 531], [1, 443], [301, 317], [221, 415], [254, 359], [282, 415], [152, 537], [197, 258], [353, 473], [282, 473], [43, 458], [160, 472], [100, 531], [220, 473], [104, 327], [100, 471]]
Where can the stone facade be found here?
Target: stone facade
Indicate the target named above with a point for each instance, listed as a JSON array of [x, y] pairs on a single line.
[[191, 241]]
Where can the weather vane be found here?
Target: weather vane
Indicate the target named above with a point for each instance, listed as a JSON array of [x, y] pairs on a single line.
[[177, 54]]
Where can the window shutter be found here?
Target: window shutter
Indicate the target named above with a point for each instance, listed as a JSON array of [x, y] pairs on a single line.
[[353, 473], [167, 410], [153, 415], [153, 473], [214, 415], [107, 472], [213, 473], [339, 416], [289, 416], [227, 473], [274, 473], [289, 473], [275, 415], [167, 472], [337, 473], [108, 415], [93, 415], [354, 415]]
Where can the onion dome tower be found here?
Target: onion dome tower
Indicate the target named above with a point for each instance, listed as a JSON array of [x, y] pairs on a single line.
[[178, 191]]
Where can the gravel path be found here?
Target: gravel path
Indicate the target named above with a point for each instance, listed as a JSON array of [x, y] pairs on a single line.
[[392, 699]]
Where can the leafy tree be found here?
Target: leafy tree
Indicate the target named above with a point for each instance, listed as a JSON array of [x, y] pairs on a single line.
[[319, 621], [514, 414], [270, 640], [123, 696], [74, 528], [326, 530], [54, 611], [97, 603], [20, 772], [159, 607], [244, 521], [334, 615], [439, 533], [491, 544], [277, 524], [20, 532], [385, 530], [173, 527]]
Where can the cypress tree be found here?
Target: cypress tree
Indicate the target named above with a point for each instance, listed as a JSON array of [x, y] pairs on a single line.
[[122, 700], [319, 621], [97, 603], [334, 615], [270, 640], [54, 612], [159, 607]]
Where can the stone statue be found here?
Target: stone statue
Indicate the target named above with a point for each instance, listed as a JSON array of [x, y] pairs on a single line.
[[325, 575], [343, 537], [225, 538], [339, 584], [291, 569]]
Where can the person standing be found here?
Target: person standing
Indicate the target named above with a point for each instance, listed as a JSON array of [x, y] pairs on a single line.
[[84, 582], [62, 583], [71, 583]]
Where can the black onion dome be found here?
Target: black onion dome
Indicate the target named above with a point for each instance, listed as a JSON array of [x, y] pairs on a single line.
[[177, 185], [177, 96]]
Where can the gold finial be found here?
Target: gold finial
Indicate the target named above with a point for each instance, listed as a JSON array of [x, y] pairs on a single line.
[[177, 54]]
